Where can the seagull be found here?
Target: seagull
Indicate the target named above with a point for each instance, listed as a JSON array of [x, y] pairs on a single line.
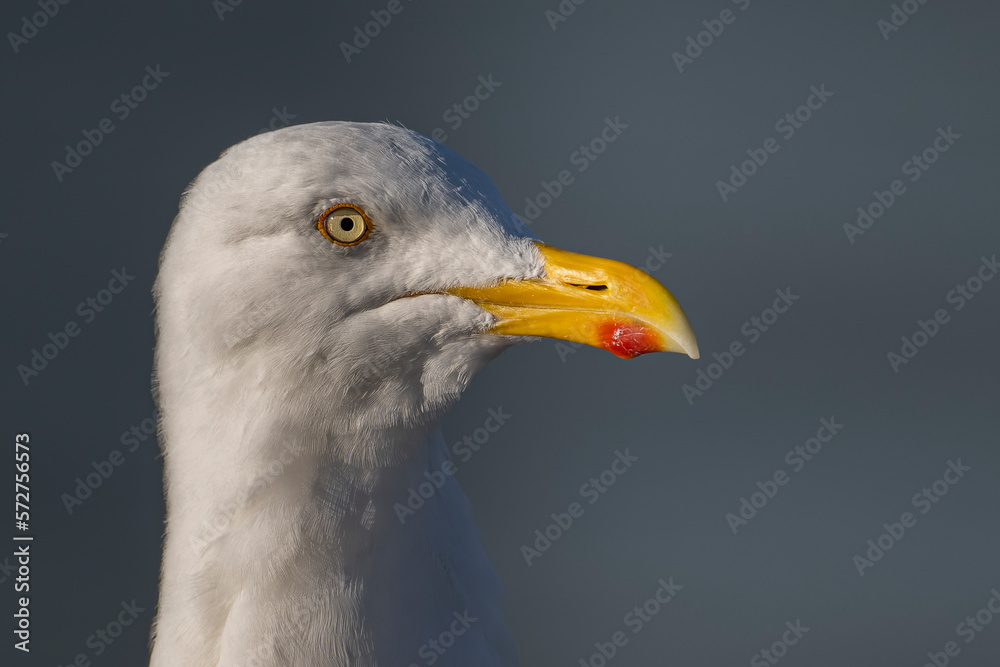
[[325, 294]]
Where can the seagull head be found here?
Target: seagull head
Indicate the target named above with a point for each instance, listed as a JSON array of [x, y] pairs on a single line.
[[325, 293], [376, 271]]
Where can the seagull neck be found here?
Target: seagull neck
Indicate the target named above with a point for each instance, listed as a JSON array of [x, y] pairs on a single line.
[[283, 546]]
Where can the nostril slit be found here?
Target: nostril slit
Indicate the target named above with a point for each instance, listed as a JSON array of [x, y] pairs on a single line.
[[596, 288]]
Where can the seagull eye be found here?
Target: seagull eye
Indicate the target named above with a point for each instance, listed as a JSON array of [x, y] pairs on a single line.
[[344, 225]]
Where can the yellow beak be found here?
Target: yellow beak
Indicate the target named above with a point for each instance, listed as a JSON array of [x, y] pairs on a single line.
[[589, 300]]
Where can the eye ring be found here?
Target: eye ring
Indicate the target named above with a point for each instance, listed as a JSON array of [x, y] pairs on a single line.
[[344, 224]]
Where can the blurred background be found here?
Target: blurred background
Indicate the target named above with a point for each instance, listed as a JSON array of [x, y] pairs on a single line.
[[876, 93]]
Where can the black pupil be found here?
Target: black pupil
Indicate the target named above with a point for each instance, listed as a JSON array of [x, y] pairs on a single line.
[[346, 224]]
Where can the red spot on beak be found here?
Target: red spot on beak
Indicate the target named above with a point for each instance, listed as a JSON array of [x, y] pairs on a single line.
[[628, 340]]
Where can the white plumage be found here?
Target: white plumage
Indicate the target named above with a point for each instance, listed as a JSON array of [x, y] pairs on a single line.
[[299, 394]]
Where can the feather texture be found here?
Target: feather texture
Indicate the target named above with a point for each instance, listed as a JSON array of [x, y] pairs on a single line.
[[299, 395]]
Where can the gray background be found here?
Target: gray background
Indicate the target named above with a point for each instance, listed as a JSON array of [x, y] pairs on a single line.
[[654, 186]]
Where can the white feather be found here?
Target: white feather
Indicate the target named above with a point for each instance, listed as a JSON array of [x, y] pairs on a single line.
[[299, 396]]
